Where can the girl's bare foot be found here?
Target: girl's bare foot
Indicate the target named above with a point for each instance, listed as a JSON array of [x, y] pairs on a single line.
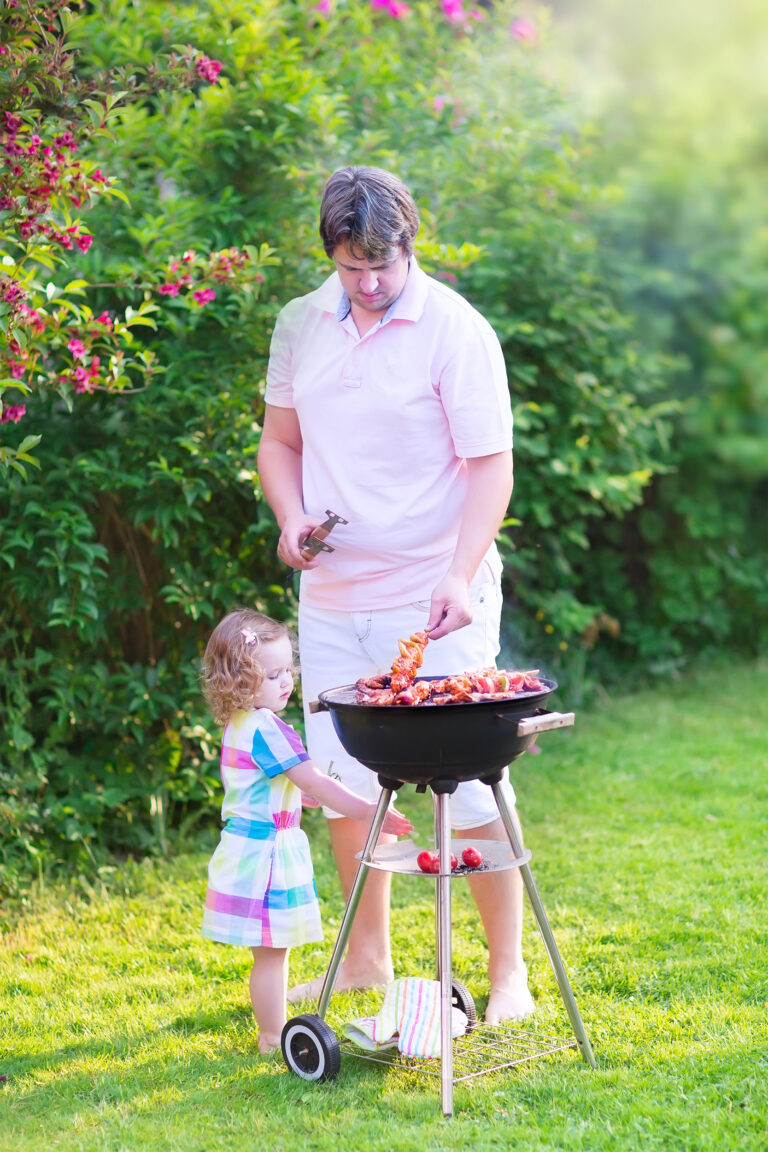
[[268, 1044]]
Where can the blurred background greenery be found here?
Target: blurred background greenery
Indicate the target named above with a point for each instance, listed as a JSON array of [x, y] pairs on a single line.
[[591, 176]]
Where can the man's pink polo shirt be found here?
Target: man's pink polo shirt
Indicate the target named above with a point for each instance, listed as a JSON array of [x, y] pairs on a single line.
[[387, 420]]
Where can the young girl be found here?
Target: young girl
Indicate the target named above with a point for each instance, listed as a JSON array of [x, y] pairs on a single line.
[[261, 888]]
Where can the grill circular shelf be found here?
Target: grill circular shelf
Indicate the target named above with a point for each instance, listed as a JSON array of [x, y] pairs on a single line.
[[401, 856]]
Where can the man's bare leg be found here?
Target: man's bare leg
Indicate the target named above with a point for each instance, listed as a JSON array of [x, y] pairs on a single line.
[[368, 961], [499, 900]]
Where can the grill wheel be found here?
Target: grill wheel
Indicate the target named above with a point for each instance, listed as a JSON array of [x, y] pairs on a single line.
[[310, 1048], [462, 998]]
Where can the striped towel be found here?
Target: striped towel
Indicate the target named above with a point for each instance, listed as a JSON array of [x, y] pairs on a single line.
[[408, 1018]]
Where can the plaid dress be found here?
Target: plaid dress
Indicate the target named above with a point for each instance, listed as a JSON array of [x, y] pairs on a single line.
[[261, 887]]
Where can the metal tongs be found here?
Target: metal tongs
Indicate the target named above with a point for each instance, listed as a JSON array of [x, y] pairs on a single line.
[[314, 541]]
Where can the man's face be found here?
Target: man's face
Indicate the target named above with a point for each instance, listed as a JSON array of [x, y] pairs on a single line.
[[372, 286]]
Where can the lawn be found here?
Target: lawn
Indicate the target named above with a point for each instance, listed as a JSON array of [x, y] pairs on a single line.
[[122, 1029]]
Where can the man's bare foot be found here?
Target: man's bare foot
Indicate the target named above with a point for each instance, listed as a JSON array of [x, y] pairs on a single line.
[[344, 983], [510, 1000]]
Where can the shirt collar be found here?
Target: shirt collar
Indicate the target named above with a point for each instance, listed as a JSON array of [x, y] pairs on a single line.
[[409, 305]]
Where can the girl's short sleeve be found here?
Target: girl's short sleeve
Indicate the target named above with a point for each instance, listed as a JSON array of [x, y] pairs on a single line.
[[277, 747]]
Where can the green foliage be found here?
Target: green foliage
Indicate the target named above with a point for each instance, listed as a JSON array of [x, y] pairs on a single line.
[[686, 246], [145, 522]]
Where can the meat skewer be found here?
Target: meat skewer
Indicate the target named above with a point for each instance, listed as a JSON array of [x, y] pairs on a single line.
[[400, 686]]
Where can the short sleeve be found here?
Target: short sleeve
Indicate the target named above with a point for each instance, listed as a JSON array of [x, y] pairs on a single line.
[[277, 747], [475, 393], [279, 390]]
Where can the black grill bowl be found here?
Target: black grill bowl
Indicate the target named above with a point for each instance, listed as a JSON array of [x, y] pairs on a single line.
[[424, 743]]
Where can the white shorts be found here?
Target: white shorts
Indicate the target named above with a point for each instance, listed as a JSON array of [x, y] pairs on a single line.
[[337, 648]]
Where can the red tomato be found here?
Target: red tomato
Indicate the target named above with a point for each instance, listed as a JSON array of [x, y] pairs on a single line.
[[454, 863], [471, 857], [435, 865], [425, 860]]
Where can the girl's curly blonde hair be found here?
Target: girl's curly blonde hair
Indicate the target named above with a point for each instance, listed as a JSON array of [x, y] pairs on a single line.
[[232, 671]]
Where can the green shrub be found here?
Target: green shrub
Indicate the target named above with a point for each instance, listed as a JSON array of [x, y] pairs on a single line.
[[146, 522]]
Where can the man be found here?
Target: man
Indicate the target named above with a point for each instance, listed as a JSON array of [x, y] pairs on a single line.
[[387, 403]]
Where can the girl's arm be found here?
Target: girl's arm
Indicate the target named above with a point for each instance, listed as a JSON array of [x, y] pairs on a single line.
[[315, 783]]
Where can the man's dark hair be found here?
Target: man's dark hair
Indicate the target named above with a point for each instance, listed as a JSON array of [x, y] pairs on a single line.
[[370, 210]]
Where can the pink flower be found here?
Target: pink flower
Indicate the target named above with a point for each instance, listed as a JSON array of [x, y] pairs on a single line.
[[438, 103], [66, 140], [203, 296], [395, 8], [454, 11], [523, 30], [477, 14], [208, 69], [105, 319], [84, 242], [323, 6], [12, 413], [77, 348], [33, 318], [169, 289], [84, 385]]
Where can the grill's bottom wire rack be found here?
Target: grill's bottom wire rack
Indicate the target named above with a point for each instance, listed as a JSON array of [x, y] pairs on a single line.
[[476, 1053]]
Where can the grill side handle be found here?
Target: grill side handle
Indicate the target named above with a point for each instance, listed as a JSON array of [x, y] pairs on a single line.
[[315, 706], [544, 722]]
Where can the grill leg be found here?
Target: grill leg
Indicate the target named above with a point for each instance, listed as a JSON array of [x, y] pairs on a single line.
[[444, 959], [555, 959], [352, 902]]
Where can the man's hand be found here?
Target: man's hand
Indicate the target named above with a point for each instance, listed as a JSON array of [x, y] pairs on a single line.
[[449, 608], [295, 531]]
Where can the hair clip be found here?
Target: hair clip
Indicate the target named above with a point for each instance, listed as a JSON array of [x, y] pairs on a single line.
[[250, 635]]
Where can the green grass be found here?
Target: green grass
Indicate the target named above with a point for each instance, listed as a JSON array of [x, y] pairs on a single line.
[[122, 1029]]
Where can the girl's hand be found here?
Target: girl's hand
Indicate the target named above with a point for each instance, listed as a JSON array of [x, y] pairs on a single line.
[[308, 801], [395, 823]]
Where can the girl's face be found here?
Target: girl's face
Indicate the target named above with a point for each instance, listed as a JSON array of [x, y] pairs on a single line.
[[277, 660]]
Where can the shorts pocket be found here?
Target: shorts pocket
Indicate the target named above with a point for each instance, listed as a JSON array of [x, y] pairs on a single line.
[[484, 585], [421, 605]]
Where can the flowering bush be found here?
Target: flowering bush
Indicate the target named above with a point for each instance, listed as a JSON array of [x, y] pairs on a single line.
[[51, 340]]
